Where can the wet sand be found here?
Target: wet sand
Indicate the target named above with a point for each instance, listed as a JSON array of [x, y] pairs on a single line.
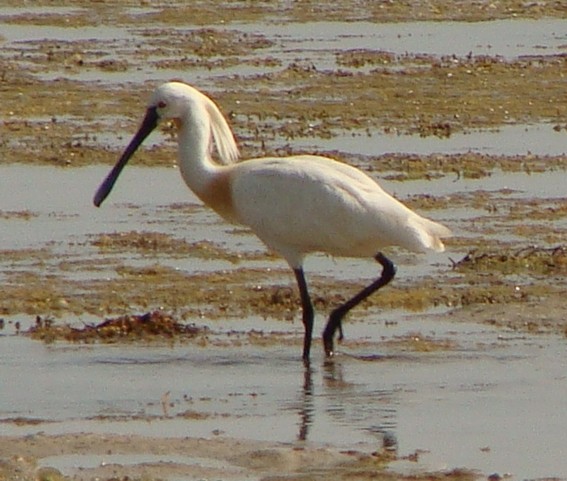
[[455, 373]]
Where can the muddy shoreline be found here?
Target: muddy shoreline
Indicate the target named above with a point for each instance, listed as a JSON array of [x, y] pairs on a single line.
[[74, 78]]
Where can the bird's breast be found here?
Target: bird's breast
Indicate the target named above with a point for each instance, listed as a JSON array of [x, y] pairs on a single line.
[[217, 194]]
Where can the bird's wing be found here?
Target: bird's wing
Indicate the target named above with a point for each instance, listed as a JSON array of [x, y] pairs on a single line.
[[304, 204]]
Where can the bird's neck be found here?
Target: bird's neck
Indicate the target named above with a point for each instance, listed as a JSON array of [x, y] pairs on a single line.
[[195, 161], [207, 179]]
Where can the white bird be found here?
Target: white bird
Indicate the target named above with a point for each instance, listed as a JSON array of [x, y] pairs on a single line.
[[296, 205]]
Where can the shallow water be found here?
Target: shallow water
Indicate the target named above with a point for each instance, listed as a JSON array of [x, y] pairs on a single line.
[[510, 140], [500, 395], [64, 218], [509, 38], [518, 139], [313, 43]]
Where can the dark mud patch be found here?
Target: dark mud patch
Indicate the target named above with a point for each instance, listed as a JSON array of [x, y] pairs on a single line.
[[165, 244], [538, 315], [470, 165], [534, 260], [21, 214], [419, 342]]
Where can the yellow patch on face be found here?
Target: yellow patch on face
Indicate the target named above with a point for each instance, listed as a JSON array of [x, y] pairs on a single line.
[[177, 122]]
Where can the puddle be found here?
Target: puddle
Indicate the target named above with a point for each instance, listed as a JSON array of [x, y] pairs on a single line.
[[25, 34], [506, 38], [519, 139]]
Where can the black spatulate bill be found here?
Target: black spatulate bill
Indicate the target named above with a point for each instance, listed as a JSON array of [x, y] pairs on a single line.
[[148, 124]]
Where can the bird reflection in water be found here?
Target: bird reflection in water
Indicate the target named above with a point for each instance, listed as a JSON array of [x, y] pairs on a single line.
[[347, 403]]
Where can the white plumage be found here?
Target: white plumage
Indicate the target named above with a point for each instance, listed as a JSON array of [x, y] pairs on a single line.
[[296, 205]]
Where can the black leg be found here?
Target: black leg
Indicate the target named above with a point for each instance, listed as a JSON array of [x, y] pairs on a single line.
[[334, 323], [341, 333], [307, 312]]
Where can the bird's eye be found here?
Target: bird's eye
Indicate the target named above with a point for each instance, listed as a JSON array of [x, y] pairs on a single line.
[[161, 104]]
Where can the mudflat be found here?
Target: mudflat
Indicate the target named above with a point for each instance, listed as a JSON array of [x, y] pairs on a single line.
[[157, 276]]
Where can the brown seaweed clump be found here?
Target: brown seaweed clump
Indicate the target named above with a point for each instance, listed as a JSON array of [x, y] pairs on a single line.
[[537, 260], [152, 326]]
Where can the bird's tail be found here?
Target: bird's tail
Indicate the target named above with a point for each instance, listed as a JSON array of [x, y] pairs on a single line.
[[430, 233]]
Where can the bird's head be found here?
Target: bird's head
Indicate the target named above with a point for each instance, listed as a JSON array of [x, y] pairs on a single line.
[[167, 102], [170, 100]]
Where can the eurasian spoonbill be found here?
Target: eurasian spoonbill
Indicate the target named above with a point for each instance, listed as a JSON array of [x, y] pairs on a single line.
[[296, 205]]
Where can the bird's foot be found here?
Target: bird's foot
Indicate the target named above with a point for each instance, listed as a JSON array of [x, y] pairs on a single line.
[[328, 344]]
